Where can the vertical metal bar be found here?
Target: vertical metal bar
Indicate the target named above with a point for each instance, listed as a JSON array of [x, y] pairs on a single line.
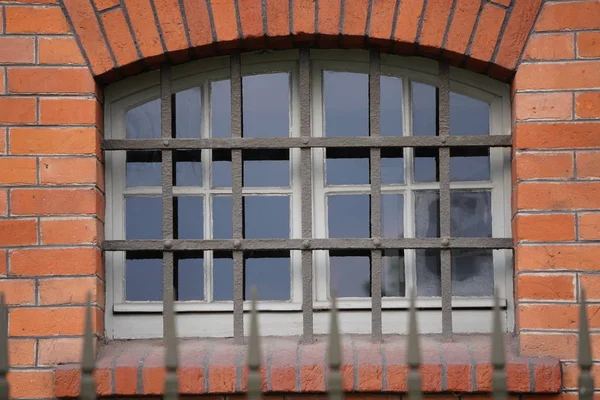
[[413, 358], [334, 356], [443, 114], [254, 379], [236, 198], [306, 187], [171, 357], [586, 380], [166, 119], [88, 383], [4, 362], [375, 161], [499, 385]]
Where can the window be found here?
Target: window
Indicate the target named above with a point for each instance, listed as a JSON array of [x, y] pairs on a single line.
[[304, 173]]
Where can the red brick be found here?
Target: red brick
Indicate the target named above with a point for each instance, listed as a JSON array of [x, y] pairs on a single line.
[[171, 22], [27, 19], [198, 22], [21, 352], [435, 20], [557, 257], [18, 170], [545, 287], [104, 4], [551, 46], [119, 36], [589, 226], [54, 141], [224, 16], [354, 23], [59, 50], [486, 36], [18, 232], [17, 110], [251, 19], [505, 3], [65, 111], [48, 321], [557, 135], [15, 50], [555, 316], [59, 351], [573, 75], [571, 375], [543, 165], [278, 18], [56, 201], [330, 12], [463, 22], [71, 291], [31, 384], [50, 80], [3, 262], [558, 196], [55, 231], [543, 106], [2, 83], [67, 381], [67, 261], [3, 202], [382, 18], [144, 27], [370, 368], [587, 104], [588, 165], [588, 44], [303, 23], [18, 291], [71, 171], [544, 227], [548, 344], [569, 16], [407, 22], [591, 285]]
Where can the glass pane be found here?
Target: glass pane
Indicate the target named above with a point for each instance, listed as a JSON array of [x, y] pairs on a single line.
[[222, 222], [220, 108], [188, 113], [221, 168], [426, 165], [266, 217], [190, 217], [143, 218], [266, 103], [427, 214], [348, 216], [143, 168], [392, 166], [469, 168], [393, 280], [350, 275], [188, 168], [468, 116], [392, 215], [143, 277], [222, 277], [266, 168], [346, 99], [269, 274], [143, 122], [428, 272], [471, 214], [342, 169], [190, 278], [423, 109], [391, 106], [472, 272]]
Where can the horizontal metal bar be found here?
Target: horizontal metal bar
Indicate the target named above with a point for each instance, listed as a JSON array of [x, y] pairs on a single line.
[[306, 244], [310, 142]]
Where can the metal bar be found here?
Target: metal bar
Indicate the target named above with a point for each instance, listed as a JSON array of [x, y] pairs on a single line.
[[586, 380], [334, 356], [375, 161], [88, 383], [4, 361], [499, 385], [312, 142], [254, 379], [167, 187], [413, 357], [236, 198], [171, 391], [443, 121], [306, 188], [310, 244]]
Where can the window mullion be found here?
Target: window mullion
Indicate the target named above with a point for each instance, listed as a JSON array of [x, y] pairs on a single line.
[[410, 262]]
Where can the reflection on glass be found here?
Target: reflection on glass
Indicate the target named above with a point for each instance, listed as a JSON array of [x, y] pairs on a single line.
[[392, 215], [188, 168], [143, 277], [391, 106], [350, 275], [348, 216], [266, 217], [423, 109], [188, 113], [143, 168], [266, 104], [392, 166], [393, 278], [190, 278], [143, 218], [222, 222], [428, 272], [471, 214], [222, 277], [468, 116], [346, 102], [427, 211], [143, 122], [270, 276], [266, 168], [220, 108], [190, 217]]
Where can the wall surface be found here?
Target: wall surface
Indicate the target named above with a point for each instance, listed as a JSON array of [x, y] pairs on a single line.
[[57, 55]]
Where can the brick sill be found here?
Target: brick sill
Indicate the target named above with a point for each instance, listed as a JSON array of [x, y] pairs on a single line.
[[216, 366]]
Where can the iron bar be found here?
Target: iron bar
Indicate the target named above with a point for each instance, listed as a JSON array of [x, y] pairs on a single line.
[[586, 380], [88, 383], [499, 385], [254, 358], [334, 355], [171, 356], [413, 357]]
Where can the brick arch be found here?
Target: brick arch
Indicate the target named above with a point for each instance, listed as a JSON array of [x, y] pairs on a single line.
[[125, 37]]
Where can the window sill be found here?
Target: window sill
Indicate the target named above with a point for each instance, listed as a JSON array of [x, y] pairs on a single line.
[[216, 366]]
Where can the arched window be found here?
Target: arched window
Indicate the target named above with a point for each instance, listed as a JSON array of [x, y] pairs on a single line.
[[306, 173]]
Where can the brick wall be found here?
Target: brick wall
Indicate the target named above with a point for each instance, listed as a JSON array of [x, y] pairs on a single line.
[[56, 55]]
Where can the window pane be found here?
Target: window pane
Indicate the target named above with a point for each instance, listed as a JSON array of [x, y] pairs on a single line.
[[220, 108], [348, 216], [391, 106], [143, 218], [393, 278], [143, 277], [143, 122], [270, 275], [266, 217], [266, 103], [143, 168], [468, 116], [188, 113], [346, 102], [221, 168], [466, 167], [350, 275], [188, 168], [266, 168], [472, 272], [392, 215], [190, 217], [222, 222], [471, 214], [423, 109], [392, 166], [222, 277], [426, 165], [347, 167], [427, 214], [428, 272], [190, 277]]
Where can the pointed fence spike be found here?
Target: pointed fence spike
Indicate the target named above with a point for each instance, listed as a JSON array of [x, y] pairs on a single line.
[[4, 362], [254, 378], [334, 355], [88, 383], [586, 380], [171, 354], [413, 357], [499, 385]]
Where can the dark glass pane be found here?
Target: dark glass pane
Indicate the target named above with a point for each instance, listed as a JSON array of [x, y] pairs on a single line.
[[427, 214], [190, 217], [266, 168], [188, 168], [222, 277], [143, 278], [392, 166], [469, 168], [343, 169], [143, 122], [221, 168], [220, 108], [426, 165], [468, 116], [391, 106], [348, 216], [190, 278], [392, 215], [222, 222], [393, 278], [428, 272], [266, 103], [350, 275], [143, 168], [346, 99], [471, 214], [143, 218], [269, 275], [424, 109], [266, 217], [188, 113], [472, 272]]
